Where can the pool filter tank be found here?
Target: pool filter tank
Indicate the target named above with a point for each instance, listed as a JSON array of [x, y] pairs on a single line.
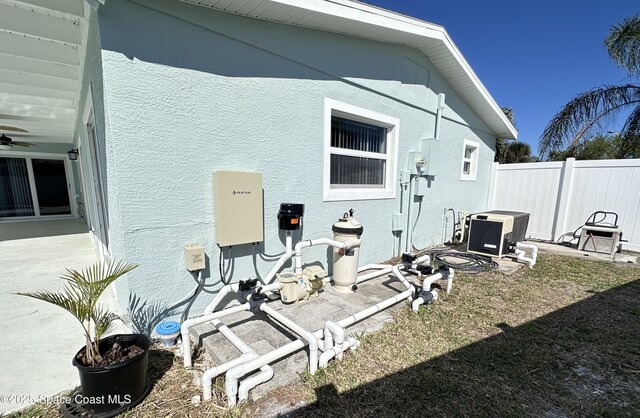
[[345, 261]]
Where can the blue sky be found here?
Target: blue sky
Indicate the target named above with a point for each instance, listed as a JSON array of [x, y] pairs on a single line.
[[532, 56]]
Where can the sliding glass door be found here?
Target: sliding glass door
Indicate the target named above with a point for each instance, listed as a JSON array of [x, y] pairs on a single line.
[[15, 190], [34, 187]]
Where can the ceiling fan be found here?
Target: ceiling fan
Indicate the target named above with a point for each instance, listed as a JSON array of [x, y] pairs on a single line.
[[6, 143]]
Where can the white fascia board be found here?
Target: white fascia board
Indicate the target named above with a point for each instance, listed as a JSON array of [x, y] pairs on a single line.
[[95, 3]]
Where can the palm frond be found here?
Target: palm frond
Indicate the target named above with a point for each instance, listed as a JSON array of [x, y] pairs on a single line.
[[623, 44], [583, 113], [631, 127], [67, 300], [103, 321]]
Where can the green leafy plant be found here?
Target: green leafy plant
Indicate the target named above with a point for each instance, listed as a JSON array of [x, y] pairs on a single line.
[[80, 296]]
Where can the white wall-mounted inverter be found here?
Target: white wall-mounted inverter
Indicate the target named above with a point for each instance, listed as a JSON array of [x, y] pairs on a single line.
[[492, 233]]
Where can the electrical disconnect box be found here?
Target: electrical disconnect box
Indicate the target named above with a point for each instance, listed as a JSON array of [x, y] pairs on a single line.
[[194, 257], [420, 188], [398, 222], [431, 149], [238, 207]]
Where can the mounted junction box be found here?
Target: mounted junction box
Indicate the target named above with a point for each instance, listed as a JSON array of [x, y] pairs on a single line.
[[431, 149], [398, 222], [238, 207], [194, 257], [420, 187]]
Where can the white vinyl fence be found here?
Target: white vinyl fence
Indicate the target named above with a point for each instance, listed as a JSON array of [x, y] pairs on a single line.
[[561, 195]]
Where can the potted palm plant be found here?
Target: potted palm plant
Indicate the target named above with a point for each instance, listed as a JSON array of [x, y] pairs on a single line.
[[113, 370]]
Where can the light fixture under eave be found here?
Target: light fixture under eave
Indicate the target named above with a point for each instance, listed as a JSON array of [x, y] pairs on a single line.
[[73, 154]]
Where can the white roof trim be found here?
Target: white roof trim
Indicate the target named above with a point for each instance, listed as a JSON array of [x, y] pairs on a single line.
[[362, 20]]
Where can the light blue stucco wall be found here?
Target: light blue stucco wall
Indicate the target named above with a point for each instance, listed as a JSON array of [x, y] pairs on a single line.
[[188, 91]]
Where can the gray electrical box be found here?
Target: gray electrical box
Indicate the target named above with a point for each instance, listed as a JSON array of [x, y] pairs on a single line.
[[399, 221], [238, 207], [431, 150], [420, 187]]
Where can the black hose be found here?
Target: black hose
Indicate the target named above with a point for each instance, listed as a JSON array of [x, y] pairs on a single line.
[[471, 263]]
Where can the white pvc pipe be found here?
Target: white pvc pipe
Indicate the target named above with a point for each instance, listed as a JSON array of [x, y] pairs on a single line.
[[266, 373], [520, 252], [282, 260], [429, 280], [189, 323], [450, 280], [308, 336], [320, 241], [385, 270], [233, 375], [365, 313], [415, 305], [336, 333], [224, 291], [337, 351], [210, 374]]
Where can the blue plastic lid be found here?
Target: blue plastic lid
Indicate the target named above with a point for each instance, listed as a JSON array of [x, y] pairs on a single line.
[[167, 328]]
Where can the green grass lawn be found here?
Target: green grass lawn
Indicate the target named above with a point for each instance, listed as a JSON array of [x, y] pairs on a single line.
[[560, 340]]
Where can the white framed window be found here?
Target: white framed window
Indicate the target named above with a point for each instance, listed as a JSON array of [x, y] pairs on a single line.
[[360, 153], [469, 160]]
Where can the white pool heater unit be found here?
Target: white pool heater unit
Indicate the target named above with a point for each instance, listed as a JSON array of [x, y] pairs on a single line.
[[493, 233]]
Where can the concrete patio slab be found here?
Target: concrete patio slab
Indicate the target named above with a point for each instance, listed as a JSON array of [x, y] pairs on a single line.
[[39, 339], [573, 251]]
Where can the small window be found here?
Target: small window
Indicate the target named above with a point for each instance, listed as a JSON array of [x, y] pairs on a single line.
[[469, 160], [360, 153]]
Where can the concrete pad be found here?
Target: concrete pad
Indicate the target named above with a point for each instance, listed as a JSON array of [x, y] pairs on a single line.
[[573, 251], [39, 339], [264, 334]]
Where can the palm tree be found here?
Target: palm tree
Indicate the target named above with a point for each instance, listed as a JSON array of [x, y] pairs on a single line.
[[80, 296], [583, 114]]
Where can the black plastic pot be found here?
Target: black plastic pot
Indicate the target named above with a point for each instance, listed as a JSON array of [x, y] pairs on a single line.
[[118, 386]]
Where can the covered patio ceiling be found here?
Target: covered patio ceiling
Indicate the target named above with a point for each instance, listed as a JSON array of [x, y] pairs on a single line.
[[42, 48]]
